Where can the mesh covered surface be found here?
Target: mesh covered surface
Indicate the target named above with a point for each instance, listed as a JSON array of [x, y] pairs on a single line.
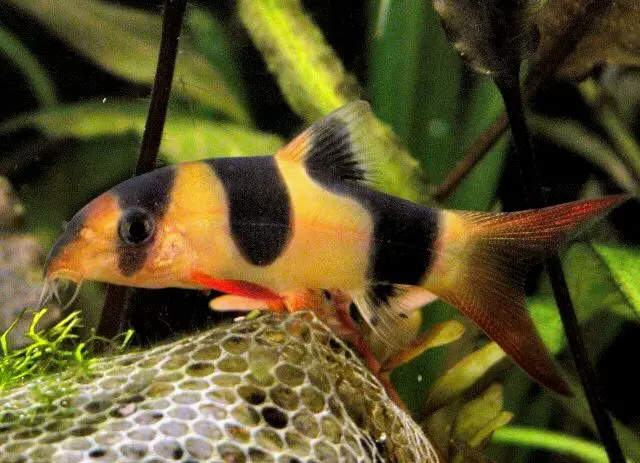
[[273, 389]]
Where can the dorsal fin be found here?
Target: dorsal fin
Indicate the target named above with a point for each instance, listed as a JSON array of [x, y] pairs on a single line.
[[336, 147]]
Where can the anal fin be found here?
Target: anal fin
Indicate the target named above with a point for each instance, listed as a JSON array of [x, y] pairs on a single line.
[[387, 307]]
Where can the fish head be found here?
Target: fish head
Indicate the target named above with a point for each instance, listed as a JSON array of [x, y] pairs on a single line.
[[125, 237]]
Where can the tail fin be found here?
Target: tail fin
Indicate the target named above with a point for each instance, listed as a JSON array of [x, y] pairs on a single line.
[[481, 267]]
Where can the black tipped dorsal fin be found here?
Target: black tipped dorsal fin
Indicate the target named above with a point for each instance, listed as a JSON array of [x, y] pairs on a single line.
[[336, 147]]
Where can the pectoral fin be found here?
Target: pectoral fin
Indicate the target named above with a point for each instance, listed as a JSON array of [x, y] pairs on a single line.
[[236, 287]]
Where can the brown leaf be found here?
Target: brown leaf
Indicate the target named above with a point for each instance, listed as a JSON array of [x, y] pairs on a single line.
[[492, 35], [593, 32]]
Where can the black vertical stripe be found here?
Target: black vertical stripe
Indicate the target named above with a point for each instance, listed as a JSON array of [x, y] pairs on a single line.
[[259, 206], [404, 233], [404, 236], [151, 192]]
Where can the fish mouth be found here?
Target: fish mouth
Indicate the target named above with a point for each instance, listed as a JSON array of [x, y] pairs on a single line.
[[62, 287]]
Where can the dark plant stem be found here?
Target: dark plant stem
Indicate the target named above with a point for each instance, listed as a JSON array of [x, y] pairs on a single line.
[[114, 310], [509, 87], [474, 154]]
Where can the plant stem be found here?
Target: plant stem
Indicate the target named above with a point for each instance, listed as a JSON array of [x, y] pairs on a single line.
[[551, 441], [476, 152], [509, 86], [114, 310]]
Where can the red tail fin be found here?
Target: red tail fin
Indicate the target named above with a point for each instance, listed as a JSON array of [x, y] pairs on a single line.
[[481, 268]]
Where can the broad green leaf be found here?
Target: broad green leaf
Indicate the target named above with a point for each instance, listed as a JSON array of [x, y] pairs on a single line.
[[314, 82], [311, 77], [480, 106], [596, 282], [29, 67], [185, 137], [624, 268], [125, 41], [398, 41], [408, 90], [463, 375], [210, 39], [544, 313]]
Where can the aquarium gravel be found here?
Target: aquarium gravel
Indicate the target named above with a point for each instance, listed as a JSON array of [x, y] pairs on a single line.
[[272, 389]]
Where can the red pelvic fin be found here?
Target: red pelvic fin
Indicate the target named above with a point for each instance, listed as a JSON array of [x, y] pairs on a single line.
[[484, 258], [235, 287]]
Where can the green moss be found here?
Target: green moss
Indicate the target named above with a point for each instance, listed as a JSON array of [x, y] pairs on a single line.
[[51, 350]]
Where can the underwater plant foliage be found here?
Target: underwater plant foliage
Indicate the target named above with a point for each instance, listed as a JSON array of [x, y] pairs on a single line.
[[252, 73]]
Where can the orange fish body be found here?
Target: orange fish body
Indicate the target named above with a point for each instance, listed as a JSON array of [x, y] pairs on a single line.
[[307, 219]]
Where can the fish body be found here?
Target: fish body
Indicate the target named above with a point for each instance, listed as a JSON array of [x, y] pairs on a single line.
[[309, 219]]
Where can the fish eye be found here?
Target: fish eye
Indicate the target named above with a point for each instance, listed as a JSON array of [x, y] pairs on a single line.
[[136, 226]]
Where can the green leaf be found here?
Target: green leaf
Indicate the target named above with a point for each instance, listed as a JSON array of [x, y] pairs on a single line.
[[29, 67], [435, 110], [480, 106], [463, 375], [554, 442], [311, 77], [125, 41], [624, 268], [397, 43], [438, 335], [600, 277], [211, 40], [419, 100], [186, 137], [481, 417]]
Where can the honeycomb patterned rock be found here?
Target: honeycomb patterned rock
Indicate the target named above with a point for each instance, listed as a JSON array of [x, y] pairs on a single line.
[[273, 389]]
